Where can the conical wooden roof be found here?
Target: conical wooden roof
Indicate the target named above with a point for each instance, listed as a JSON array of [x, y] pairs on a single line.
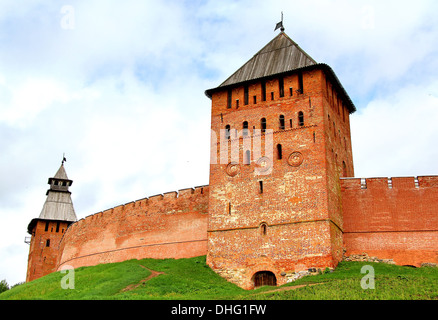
[[58, 205]]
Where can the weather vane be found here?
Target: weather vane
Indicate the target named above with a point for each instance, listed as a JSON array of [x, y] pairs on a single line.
[[63, 158], [280, 24]]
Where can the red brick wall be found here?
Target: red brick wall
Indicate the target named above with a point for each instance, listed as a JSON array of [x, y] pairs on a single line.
[[173, 225], [398, 222]]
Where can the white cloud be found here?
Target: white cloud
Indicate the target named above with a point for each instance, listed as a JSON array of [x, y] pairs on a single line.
[[30, 97], [396, 135]]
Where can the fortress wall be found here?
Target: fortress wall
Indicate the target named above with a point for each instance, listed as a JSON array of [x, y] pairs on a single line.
[[170, 225], [395, 218]]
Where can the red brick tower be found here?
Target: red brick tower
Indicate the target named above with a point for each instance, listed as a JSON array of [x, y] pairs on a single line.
[[47, 230], [280, 143]]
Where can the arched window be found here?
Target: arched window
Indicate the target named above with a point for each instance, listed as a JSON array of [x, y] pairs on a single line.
[[263, 229], [247, 157], [245, 128], [263, 125], [227, 131], [279, 152], [282, 126], [301, 118]]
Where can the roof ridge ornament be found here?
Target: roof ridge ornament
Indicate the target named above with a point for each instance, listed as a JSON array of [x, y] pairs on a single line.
[[280, 24]]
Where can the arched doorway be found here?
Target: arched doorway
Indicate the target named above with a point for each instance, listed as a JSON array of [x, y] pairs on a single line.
[[264, 278]]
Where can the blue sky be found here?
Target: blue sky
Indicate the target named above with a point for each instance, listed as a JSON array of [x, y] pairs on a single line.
[[119, 87]]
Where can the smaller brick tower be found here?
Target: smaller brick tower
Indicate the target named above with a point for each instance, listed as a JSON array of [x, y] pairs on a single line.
[[47, 230]]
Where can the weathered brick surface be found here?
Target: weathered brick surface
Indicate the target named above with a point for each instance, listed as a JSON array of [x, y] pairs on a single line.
[[299, 206], [393, 218], [172, 225]]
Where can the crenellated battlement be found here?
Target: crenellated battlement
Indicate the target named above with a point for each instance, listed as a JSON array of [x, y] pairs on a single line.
[[167, 225], [391, 217], [148, 203], [398, 183]]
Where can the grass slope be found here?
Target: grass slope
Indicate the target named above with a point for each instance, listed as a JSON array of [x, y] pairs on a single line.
[[192, 279]]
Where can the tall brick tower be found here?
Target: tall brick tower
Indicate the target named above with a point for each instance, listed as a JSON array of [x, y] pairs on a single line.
[[280, 143], [47, 230]]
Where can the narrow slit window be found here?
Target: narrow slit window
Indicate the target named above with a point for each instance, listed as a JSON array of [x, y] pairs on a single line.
[[229, 99], [272, 96], [301, 118], [237, 103], [291, 91], [290, 121], [48, 243], [47, 226], [281, 87], [263, 91], [263, 228], [255, 99], [246, 93], [229, 208], [300, 83], [282, 125], [261, 187], [279, 152], [263, 125], [57, 226]]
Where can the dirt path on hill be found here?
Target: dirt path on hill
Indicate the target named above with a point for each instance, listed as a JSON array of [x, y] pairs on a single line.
[[291, 288], [152, 275]]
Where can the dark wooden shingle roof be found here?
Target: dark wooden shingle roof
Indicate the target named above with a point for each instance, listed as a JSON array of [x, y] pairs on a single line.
[[280, 55]]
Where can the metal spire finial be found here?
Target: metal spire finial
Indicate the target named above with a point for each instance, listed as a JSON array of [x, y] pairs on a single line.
[[280, 24]]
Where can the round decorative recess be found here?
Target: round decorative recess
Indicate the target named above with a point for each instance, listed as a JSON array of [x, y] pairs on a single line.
[[232, 169], [295, 159], [263, 164]]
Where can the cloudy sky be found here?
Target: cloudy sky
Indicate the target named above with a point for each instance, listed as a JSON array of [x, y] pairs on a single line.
[[118, 86]]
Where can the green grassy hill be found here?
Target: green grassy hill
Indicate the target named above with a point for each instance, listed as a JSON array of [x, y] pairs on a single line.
[[192, 279]]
